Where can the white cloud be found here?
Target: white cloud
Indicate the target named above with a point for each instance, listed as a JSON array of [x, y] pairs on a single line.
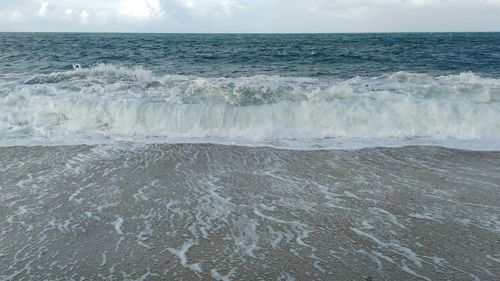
[[84, 17], [423, 3], [44, 7], [140, 10], [211, 7], [69, 15], [249, 15], [77, 13]]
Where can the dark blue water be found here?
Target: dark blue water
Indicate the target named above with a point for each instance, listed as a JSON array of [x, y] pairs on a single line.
[[234, 55]]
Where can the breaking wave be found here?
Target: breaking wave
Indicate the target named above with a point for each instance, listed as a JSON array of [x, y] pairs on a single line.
[[110, 103]]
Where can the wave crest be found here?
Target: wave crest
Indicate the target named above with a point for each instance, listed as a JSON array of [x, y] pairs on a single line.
[[110, 102]]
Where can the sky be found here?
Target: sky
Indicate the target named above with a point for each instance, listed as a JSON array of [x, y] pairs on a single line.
[[249, 15]]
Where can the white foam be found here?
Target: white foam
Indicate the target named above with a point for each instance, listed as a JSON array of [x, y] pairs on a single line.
[[181, 254], [284, 276], [493, 258], [393, 247], [217, 276], [108, 104], [104, 259], [425, 216], [118, 223], [391, 217]]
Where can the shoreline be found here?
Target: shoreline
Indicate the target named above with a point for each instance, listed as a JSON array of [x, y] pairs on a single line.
[[126, 144], [189, 211]]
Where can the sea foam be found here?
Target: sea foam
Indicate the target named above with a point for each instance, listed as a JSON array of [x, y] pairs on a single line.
[[110, 103]]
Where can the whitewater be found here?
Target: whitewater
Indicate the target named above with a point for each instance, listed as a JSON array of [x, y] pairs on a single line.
[[107, 103]]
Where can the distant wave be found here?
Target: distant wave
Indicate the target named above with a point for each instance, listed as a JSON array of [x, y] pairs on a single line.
[[109, 103]]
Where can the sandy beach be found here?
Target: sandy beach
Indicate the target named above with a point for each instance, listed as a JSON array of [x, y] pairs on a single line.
[[199, 211]]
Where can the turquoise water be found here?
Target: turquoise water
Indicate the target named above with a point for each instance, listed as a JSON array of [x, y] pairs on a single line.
[[307, 90]]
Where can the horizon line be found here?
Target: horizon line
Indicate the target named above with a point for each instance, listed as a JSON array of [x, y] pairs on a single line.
[[244, 33]]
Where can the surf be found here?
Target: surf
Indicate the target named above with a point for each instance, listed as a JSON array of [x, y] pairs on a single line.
[[107, 103]]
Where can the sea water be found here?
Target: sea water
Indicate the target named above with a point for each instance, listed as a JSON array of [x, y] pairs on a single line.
[[283, 90]]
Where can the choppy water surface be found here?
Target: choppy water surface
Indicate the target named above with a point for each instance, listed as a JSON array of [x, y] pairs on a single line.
[[302, 91]]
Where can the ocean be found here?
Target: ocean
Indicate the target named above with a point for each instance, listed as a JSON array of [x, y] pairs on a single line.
[[249, 156]]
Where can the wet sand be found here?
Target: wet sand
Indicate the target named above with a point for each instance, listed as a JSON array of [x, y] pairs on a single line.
[[200, 211]]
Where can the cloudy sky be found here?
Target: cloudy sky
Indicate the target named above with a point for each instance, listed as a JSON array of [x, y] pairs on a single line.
[[249, 15]]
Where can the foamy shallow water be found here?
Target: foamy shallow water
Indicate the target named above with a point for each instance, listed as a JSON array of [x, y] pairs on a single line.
[[189, 211]]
